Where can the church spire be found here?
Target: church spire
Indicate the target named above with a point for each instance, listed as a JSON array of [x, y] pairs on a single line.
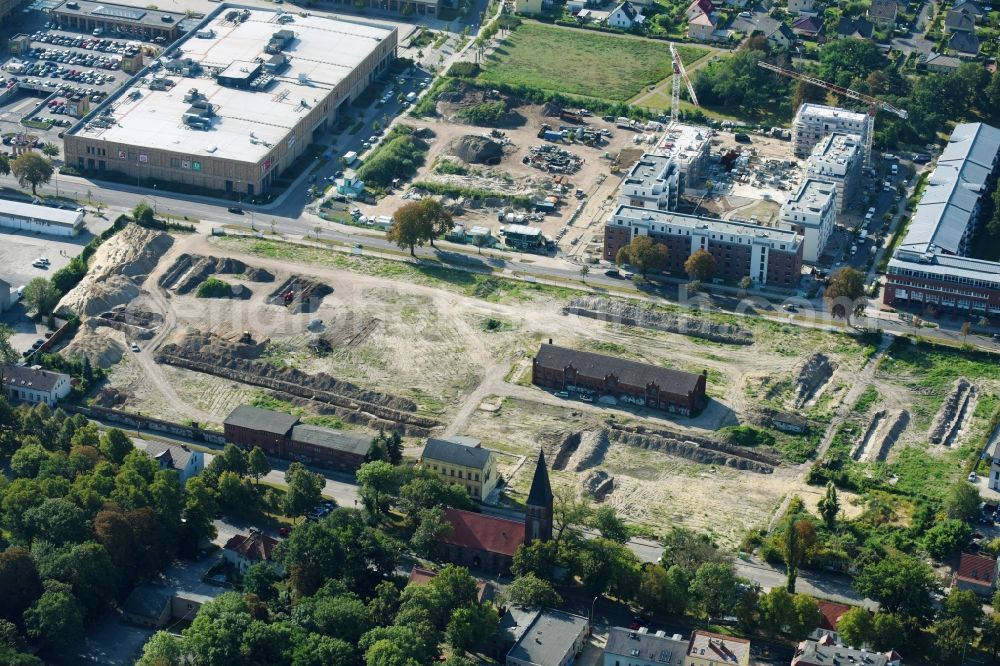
[[541, 490]]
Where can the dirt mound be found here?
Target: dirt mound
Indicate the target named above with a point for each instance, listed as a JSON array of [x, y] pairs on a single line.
[[299, 294], [598, 485], [109, 398], [91, 341], [884, 436], [956, 407], [116, 269], [814, 372], [474, 149], [632, 314], [698, 449], [590, 452], [259, 275], [551, 110], [190, 270]]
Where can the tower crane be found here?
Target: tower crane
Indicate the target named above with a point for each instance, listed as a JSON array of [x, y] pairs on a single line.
[[873, 104], [675, 98]]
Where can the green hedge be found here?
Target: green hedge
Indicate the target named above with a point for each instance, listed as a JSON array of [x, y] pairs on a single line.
[[473, 193], [398, 156]]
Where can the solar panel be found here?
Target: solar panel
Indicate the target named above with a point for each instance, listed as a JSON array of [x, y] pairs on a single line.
[[130, 13]]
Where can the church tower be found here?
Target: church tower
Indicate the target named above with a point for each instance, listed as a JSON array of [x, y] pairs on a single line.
[[538, 509]]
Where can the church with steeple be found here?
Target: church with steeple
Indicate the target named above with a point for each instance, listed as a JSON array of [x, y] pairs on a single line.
[[488, 543]]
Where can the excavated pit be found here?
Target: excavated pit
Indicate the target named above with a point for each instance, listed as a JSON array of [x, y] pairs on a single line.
[[631, 314], [300, 295], [811, 377]]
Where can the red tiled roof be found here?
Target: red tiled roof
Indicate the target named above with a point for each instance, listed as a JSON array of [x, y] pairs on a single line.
[[831, 614], [255, 546], [976, 569], [475, 530], [420, 576], [704, 5]]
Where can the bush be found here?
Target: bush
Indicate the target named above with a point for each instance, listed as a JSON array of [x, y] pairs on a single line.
[[214, 288], [398, 156], [472, 193], [464, 70], [746, 436], [486, 113]]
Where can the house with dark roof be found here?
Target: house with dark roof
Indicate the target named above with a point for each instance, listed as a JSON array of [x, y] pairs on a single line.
[[154, 606], [959, 21], [618, 379], [180, 458], [280, 434], [970, 7], [464, 461], [964, 43], [977, 573], [625, 16], [781, 37], [883, 13], [553, 638], [940, 62], [827, 652], [808, 26], [33, 384], [480, 541], [626, 647], [243, 550], [858, 28]]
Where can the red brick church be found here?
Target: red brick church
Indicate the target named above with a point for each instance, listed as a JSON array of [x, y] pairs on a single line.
[[488, 543]]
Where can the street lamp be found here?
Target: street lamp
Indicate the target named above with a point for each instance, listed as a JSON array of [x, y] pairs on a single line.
[[154, 199], [591, 617]]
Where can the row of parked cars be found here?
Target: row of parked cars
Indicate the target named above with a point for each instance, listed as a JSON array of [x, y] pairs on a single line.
[[88, 43], [74, 58]]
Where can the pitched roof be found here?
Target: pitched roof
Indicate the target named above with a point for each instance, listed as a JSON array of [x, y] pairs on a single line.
[[628, 9], [812, 25], [255, 546], [456, 451], [976, 569], [942, 60], [883, 9], [22, 376], [960, 21], [420, 576], [171, 454], [148, 601], [964, 42], [784, 31], [481, 532], [705, 6], [651, 647], [628, 372], [815, 653], [968, 6], [337, 440], [831, 612], [718, 648], [702, 19], [855, 28], [541, 490], [265, 420]]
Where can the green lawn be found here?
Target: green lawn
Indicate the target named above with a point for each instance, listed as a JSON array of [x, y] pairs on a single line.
[[580, 62]]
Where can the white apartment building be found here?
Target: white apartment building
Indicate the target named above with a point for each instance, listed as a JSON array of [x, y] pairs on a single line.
[[33, 384], [689, 147], [838, 159], [653, 182], [813, 122], [812, 213]]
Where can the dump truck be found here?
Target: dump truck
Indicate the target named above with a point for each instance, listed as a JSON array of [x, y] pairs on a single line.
[[572, 117]]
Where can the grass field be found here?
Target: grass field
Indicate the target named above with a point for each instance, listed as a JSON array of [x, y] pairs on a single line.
[[581, 62]]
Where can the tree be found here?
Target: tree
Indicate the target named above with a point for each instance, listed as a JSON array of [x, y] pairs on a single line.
[[215, 637], [234, 460], [715, 587], [5, 165], [845, 292], [947, 538], [663, 590], [644, 254], [964, 606], [807, 617], [806, 92], [606, 521], [143, 213], [829, 506], [342, 616], [19, 582], [7, 352], [989, 638], [568, 512], [700, 266], [317, 650], [584, 272], [856, 627], [311, 554], [688, 550], [257, 464], [305, 490], [56, 520], [888, 629], [115, 444], [901, 583], [777, 611], [470, 626], [964, 330], [390, 447], [41, 296], [431, 523], [963, 501], [531, 592], [55, 620], [377, 483], [950, 639], [162, 649], [50, 150], [538, 558], [31, 169], [417, 222]]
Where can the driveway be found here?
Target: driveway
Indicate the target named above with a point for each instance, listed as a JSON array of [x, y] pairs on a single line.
[[829, 586]]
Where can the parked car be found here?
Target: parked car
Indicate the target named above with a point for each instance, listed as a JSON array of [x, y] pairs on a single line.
[[134, 347], [972, 477], [562, 394]]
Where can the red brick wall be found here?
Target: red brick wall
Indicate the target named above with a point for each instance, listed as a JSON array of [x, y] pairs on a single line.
[[247, 438]]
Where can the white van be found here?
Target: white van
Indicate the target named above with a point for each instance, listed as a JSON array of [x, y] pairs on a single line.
[[863, 236], [895, 169]]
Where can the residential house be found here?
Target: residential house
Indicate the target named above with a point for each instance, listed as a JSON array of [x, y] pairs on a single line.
[[811, 212], [626, 647], [858, 28], [965, 43], [827, 651], [155, 606], [802, 7], [625, 16], [883, 13], [702, 27], [553, 638], [464, 461], [489, 542], [808, 26], [708, 649], [830, 614], [242, 550], [781, 37], [959, 21], [528, 6], [698, 7], [977, 573], [941, 63], [185, 461], [970, 7], [34, 385], [484, 589], [574, 6]]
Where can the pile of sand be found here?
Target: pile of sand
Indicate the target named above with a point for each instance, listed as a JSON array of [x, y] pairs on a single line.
[[102, 345], [116, 271], [474, 149]]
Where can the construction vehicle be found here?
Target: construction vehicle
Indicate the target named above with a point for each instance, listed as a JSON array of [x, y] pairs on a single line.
[[572, 117], [246, 338], [873, 104], [288, 296], [675, 97]]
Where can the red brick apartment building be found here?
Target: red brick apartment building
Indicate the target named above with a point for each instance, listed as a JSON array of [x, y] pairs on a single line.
[[631, 382], [769, 256]]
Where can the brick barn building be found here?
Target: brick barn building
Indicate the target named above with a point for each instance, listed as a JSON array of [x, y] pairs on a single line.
[[632, 382], [489, 543], [279, 434]]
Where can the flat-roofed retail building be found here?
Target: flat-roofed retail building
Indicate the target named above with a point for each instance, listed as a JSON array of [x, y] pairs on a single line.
[[118, 19], [234, 103]]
